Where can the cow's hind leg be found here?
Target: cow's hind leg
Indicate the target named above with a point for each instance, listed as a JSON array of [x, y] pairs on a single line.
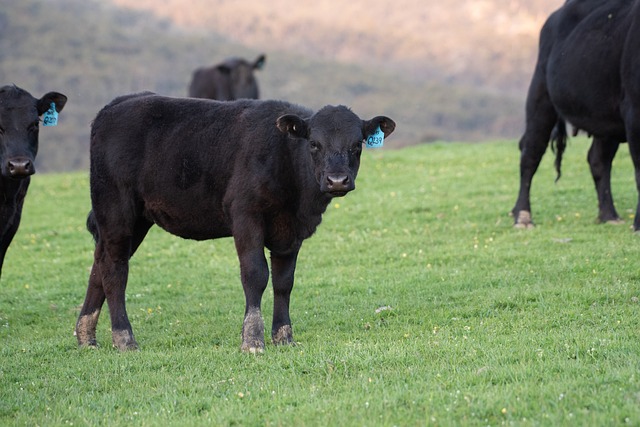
[[88, 320], [115, 272], [540, 120], [108, 281], [282, 272], [115, 275], [600, 157]]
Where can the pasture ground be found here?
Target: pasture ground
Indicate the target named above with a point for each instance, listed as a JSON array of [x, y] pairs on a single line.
[[416, 303]]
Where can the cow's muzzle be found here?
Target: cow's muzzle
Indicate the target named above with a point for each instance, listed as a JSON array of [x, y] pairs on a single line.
[[20, 167], [338, 185]]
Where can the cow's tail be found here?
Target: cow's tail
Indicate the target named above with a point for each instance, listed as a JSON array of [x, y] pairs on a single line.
[[559, 143], [92, 226]]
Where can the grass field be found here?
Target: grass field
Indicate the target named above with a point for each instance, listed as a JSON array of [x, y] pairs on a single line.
[[416, 303]]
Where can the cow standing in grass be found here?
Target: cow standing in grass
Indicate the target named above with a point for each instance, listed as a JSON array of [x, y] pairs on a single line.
[[229, 80], [19, 124], [588, 73], [260, 171]]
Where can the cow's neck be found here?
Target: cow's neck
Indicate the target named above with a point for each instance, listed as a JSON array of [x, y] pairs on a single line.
[[13, 191]]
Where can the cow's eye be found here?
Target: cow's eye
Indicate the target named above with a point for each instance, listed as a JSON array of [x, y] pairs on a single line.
[[314, 145], [1, 130], [34, 126]]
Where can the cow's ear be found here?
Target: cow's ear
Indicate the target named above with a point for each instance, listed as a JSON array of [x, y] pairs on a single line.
[[45, 102], [386, 126], [293, 125], [259, 63]]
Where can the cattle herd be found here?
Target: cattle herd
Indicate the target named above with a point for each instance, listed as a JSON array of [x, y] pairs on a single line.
[[222, 163]]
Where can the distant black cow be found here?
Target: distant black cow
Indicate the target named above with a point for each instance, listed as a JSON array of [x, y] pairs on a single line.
[[260, 171], [229, 80], [19, 123], [588, 73]]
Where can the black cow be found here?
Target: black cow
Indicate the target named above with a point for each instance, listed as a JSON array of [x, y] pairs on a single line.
[[229, 80], [19, 123], [587, 73], [260, 171]]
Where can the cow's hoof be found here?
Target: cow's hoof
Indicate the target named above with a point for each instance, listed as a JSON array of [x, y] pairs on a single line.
[[85, 340], [253, 332], [252, 348], [617, 221], [523, 220], [123, 340], [89, 344], [284, 335], [85, 330]]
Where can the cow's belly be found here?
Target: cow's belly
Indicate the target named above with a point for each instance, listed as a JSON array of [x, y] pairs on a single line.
[[594, 111], [584, 85], [189, 222], [599, 116]]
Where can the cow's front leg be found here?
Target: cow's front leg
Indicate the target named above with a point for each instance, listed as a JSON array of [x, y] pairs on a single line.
[[5, 240], [6, 212], [254, 273], [282, 272]]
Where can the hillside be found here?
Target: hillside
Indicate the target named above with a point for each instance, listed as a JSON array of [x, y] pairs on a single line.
[[94, 51], [486, 42]]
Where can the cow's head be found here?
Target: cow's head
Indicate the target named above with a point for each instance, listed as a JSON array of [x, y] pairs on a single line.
[[19, 122], [335, 136], [239, 71]]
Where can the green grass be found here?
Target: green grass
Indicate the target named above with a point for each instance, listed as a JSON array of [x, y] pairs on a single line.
[[416, 303]]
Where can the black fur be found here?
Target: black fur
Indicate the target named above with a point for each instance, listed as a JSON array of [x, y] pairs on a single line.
[[229, 80], [587, 74], [260, 171], [19, 125]]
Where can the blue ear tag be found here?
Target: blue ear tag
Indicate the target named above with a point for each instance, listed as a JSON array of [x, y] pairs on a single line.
[[375, 140], [50, 117]]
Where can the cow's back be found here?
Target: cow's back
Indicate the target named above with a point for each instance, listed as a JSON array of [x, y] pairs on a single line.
[[140, 133]]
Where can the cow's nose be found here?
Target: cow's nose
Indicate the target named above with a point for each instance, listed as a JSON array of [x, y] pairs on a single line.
[[19, 168], [338, 183]]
